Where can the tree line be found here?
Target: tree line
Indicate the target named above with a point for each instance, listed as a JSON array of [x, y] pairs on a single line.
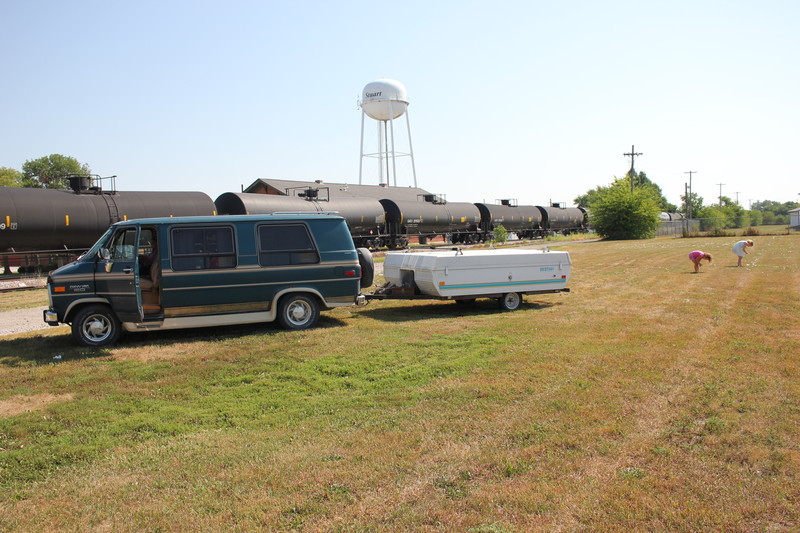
[[48, 172], [629, 208]]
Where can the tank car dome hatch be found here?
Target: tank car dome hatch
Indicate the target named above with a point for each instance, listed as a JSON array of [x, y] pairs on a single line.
[[384, 99]]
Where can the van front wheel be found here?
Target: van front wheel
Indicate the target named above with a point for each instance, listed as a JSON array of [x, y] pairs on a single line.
[[95, 325], [298, 311]]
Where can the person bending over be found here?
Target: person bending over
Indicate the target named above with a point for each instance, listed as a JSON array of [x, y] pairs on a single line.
[[698, 256], [740, 249]]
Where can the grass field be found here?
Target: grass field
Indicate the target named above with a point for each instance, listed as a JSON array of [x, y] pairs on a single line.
[[22, 299], [648, 398]]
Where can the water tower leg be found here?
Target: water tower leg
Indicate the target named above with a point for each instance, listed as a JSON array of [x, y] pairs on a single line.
[[394, 157], [411, 150], [361, 159], [381, 151]]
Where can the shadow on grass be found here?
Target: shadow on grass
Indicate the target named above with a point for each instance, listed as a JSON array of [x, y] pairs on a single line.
[[440, 310], [44, 350], [55, 349], [211, 334]]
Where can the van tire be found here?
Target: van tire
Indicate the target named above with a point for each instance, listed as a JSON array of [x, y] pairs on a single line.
[[367, 267], [298, 311], [96, 325]]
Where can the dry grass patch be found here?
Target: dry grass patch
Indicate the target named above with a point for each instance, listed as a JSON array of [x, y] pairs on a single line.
[[17, 405]]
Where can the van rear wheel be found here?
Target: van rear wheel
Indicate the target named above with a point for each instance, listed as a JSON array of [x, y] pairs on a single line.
[[298, 311], [96, 325]]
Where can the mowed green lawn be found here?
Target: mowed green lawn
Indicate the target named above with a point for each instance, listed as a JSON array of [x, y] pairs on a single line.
[[648, 398]]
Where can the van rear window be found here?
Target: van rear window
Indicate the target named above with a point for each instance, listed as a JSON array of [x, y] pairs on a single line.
[[203, 248], [285, 244]]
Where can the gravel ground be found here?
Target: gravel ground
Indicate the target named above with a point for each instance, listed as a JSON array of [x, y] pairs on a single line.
[[21, 320], [23, 282]]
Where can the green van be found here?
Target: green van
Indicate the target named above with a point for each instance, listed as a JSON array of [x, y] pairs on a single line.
[[188, 272]]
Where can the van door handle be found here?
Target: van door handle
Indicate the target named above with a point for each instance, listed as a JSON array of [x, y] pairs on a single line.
[[127, 270]]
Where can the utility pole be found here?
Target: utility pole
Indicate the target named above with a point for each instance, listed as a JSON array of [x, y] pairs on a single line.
[[686, 211], [632, 172], [720, 193], [689, 198], [737, 197]]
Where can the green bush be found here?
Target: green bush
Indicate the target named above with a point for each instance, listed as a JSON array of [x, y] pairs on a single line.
[[500, 234], [619, 213]]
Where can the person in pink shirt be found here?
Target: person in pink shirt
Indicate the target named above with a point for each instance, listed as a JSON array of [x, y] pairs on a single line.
[[698, 256]]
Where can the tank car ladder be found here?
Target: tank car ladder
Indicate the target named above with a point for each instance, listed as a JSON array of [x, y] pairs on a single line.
[[113, 210]]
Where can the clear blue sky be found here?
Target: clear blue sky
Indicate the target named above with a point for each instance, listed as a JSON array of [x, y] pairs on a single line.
[[533, 100]]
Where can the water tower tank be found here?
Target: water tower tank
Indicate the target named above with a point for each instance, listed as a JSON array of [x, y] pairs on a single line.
[[384, 99]]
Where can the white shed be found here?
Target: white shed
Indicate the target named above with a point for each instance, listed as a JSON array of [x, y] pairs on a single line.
[[794, 218]]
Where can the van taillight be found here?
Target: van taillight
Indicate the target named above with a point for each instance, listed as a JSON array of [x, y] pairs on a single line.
[[350, 273]]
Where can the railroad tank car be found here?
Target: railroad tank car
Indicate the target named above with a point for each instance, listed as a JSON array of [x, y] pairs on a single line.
[[524, 220], [235, 203], [665, 216], [48, 219], [531, 223], [365, 216], [465, 223], [427, 219], [564, 220]]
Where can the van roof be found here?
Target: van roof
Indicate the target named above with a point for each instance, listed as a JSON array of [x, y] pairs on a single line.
[[207, 219]]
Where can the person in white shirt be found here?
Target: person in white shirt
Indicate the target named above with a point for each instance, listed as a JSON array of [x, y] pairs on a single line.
[[740, 249]]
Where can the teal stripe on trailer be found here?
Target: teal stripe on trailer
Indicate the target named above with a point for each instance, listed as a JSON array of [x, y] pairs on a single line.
[[505, 284]]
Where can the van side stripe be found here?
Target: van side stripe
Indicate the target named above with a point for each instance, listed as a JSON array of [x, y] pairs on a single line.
[[297, 284]]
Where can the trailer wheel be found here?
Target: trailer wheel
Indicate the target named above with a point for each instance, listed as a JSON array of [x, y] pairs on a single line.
[[510, 301], [96, 325], [298, 311]]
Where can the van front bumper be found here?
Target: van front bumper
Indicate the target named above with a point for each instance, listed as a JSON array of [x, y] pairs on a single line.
[[50, 317]]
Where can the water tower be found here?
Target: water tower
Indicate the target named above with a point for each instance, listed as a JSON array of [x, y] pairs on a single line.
[[385, 100]]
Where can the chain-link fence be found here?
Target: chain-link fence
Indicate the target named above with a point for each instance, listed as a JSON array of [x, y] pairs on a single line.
[[677, 227], [705, 225]]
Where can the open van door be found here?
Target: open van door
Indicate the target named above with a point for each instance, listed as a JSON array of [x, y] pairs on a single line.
[[117, 275]]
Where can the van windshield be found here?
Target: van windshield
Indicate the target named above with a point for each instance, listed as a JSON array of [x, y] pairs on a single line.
[[91, 253]]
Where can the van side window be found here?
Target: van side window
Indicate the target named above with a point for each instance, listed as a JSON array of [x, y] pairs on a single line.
[[285, 244], [146, 241], [203, 248], [123, 245]]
